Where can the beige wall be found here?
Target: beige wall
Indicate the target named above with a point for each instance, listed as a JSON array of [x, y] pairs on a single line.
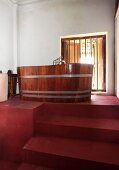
[[42, 24], [6, 36]]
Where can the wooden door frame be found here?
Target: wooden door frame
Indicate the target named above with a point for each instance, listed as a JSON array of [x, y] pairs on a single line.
[[104, 52]]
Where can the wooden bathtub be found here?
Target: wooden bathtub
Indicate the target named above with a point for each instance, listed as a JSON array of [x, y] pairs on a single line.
[[56, 83]]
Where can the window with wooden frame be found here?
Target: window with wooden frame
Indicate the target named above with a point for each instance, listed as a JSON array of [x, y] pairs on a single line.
[[90, 50]]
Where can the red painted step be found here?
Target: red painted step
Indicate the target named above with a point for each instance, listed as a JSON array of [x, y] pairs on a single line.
[[33, 167], [8, 165], [75, 127], [79, 110], [82, 122], [63, 153]]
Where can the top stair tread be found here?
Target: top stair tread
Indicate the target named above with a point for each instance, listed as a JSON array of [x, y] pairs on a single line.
[[26, 166], [112, 124], [75, 148]]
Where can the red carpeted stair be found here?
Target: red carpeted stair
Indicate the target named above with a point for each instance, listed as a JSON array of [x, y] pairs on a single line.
[[75, 136]]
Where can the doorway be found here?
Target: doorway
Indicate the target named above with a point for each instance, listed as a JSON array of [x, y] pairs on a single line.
[[90, 50]]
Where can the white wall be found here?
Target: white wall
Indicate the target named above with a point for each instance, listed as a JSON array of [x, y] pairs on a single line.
[[117, 53], [42, 24], [6, 36]]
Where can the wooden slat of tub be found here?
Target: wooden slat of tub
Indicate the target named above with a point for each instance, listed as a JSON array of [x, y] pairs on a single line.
[[55, 69], [51, 83]]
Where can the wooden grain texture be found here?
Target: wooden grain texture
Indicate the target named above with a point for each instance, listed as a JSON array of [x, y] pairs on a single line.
[[56, 83]]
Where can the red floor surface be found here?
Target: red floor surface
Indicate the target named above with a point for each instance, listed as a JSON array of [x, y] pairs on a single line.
[[95, 100], [104, 100]]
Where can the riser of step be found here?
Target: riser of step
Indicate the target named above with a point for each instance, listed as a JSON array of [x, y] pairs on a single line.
[[64, 163], [105, 135], [80, 110]]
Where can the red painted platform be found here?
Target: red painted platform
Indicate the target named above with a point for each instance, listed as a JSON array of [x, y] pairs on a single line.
[[16, 127], [60, 136]]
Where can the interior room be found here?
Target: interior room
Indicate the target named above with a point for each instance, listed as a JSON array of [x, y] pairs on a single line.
[[59, 84]]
